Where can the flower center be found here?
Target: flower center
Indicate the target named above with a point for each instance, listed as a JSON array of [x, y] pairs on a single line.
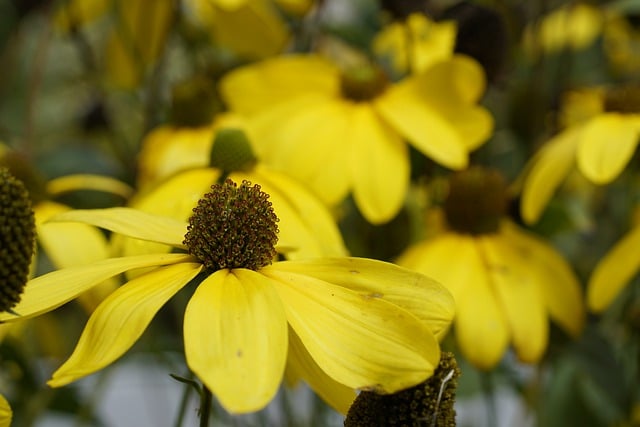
[[17, 239], [233, 227], [476, 202], [232, 151], [430, 403], [363, 83], [625, 99]]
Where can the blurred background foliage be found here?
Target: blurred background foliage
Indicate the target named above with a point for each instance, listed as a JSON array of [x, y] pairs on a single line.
[[72, 103]]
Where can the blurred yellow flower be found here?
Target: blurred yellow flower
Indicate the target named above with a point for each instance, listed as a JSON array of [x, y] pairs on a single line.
[[344, 131], [505, 281], [5, 412], [621, 42], [347, 323], [602, 134]]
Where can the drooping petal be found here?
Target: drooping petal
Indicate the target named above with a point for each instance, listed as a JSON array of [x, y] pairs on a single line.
[[300, 365], [545, 172], [558, 283], [131, 222], [121, 319], [260, 86], [519, 296], [607, 143], [44, 293], [235, 337], [423, 297], [614, 271], [380, 165], [456, 262], [361, 341]]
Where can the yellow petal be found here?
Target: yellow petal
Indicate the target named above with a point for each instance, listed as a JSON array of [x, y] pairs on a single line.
[[614, 271], [519, 296], [545, 172], [254, 88], [559, 285], [359, 340], [44, 293], [235, 336], [300, 364], [305, 223], [121, 319], [75, 182], [6, 414], [425, 298], [131, 222], [380, 162], [607, 143]]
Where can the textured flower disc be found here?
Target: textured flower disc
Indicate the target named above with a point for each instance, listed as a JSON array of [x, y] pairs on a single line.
[[430, 403], [233, 227], [17, 239]]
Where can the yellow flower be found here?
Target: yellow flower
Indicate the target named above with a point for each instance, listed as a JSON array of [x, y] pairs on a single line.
[[601, 137], [621, 42], [5, 412], [346, 323], [416, 44], [505, 281], [614, 271], [345, 131]]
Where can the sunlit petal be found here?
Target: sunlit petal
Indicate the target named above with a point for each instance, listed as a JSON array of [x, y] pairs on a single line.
[[132, 223], [426, 299], [121, 319], [607, 143], [235, 334], [380, 162], [50, 291], [6, 414], [360, 340]]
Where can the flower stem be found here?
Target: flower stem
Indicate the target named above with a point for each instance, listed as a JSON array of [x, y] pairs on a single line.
[[205, 406]]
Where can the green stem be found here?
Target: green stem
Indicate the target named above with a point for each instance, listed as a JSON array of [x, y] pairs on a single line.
[[182, 409], [489, 394], [205, 406]]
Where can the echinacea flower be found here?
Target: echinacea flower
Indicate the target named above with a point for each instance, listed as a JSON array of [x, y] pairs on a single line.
[[342, 131], [355, 323], [600, 139], [506, 282]]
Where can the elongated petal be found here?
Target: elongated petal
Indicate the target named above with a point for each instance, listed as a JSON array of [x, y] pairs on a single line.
[[361, 341], [546, 171], [557, 281], [235, 336], [121, 319], [300, 365], [6, 414], [132, 223], [606, 145], [50, 291], [425, 298], [519, 296], [88, 182], [614, 271], [380, 162]]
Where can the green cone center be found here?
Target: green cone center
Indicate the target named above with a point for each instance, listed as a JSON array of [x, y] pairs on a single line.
[[363, 83]]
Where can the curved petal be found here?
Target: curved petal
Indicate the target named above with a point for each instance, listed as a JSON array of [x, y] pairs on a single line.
[[428, 131], [361, 341], [257, 87], [425, 298], [305, 222], [545, 172], [235, 337], [300, 364], [131, 222], [557, 281], [380, 165], [614, 271], [607, 143], [6, 414], [121, 319], [44, 293], [519, 296], [75, 182]]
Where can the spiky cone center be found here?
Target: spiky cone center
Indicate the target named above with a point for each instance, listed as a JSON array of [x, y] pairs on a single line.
[[430, 403], [233, 227], [624, 99], [476, 202], [17, 235], [363, 83]]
